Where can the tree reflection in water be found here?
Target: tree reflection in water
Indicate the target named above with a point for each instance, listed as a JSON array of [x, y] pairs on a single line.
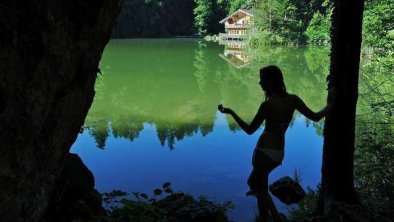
[[176, 85]]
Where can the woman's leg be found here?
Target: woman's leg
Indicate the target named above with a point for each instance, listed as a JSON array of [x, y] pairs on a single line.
[[276, 216], [264, 201], [252, 181], [258, 182], [263, 207]]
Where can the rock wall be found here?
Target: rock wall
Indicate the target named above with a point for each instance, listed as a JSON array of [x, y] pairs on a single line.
[[74, 196], [49, 54]]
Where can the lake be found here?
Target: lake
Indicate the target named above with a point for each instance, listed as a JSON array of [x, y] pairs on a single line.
[[154, 118]]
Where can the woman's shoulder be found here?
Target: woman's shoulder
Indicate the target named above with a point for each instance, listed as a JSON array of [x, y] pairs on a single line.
[[294, 97], [295, 100], [264, 104]]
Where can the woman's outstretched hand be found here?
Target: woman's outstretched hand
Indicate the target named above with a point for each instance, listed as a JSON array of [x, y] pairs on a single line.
[[223, 109]]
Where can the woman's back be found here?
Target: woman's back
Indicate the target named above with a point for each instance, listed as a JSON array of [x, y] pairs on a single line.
[[279, 110], [278, 113]]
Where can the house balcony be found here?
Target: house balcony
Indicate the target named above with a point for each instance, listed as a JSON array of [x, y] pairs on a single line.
[[237, 26], [225, 36]]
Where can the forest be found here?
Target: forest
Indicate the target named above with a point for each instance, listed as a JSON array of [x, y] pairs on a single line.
[[277, 21]]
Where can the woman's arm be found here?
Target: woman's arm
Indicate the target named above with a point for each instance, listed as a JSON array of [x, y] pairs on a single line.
[[308, 113], [248, 128]]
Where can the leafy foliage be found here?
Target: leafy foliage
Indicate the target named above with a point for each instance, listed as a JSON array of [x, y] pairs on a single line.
[[374, 162], [284, 21], [234, 5], [318, 29], [139, 209], [378, 33], [378, 24], [374, 166], [202, 13], [207, 14], [306, 207]]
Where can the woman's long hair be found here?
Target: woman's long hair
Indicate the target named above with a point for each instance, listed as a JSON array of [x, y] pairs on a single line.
[[273, 75]]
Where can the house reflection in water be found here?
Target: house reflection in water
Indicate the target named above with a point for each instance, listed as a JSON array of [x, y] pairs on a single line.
[[237, 26], [234, 53]]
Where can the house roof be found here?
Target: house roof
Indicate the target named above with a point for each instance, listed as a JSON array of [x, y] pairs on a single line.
[[245, 11]]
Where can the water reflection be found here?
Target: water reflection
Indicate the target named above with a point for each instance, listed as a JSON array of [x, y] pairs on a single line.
[[235, 53], [164, 93], [176, 85]]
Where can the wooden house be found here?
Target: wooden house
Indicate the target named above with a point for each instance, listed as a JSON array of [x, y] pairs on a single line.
[[237, 25]]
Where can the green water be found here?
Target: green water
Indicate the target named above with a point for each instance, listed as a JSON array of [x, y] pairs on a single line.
[[154, 117], [177, 84]]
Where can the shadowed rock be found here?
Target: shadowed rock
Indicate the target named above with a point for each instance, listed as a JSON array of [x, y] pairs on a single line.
[[49, 54], [287, 190], [74, 196], [182, 207]]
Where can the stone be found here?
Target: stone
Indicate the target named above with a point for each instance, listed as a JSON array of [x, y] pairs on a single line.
[[49, 56], [181, 207], [74, 196], [287, 190]]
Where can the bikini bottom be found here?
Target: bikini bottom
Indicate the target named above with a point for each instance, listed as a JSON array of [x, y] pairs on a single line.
[[267, 157]]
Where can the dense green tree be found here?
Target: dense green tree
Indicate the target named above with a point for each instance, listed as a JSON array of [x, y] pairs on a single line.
[[285, 21], [202, 12], [375, 120], [374, 162], [234, 5], [318, 30], [377, 91], [207, 14], [378, 24], [267, 17]]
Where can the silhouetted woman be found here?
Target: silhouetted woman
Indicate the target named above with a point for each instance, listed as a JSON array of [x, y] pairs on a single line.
[[277, 111]]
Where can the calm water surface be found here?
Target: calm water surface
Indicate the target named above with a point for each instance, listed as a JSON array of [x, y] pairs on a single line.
[[154, 118]]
